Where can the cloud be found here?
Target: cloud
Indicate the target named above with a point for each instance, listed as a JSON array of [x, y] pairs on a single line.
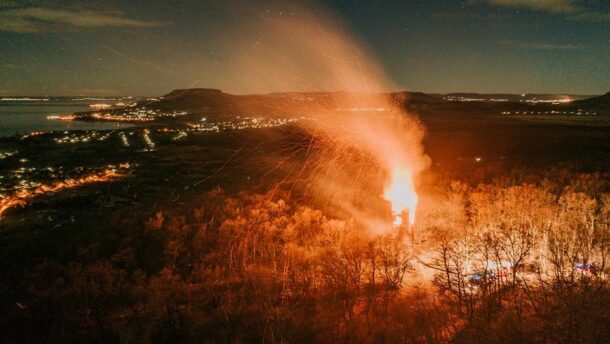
[[445, 15], [9, 66], [40, 19], [592, 16], [547, 46], [553, 6], [543, 45], [569, 8]]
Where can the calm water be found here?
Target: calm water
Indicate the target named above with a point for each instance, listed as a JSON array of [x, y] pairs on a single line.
[[19, 117]]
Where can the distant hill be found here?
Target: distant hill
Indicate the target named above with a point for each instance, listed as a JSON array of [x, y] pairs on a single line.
[[603, 100], [214, 102], [207, 100], [418, 97], [187, 99]]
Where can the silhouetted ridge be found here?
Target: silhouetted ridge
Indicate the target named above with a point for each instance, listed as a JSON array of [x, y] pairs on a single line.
[[193, 92], [600, 100]]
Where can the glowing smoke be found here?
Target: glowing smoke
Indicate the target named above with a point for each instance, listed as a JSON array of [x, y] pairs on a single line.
[[367, 147]]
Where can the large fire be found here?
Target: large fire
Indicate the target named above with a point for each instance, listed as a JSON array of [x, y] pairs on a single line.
[[402, 196], [360, 134]]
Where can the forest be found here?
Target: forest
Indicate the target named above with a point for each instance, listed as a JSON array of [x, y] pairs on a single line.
[[517, 258]]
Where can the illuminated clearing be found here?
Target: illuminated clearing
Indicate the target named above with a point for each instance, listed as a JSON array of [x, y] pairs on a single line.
[[21, 197], [401, 194]]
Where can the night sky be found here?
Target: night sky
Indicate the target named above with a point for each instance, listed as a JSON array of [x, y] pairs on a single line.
[[151, 47]]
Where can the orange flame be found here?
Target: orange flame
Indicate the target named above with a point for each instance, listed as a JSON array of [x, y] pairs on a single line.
[[402, 196]]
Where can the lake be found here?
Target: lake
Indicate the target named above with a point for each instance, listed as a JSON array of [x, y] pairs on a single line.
[[24, 116]]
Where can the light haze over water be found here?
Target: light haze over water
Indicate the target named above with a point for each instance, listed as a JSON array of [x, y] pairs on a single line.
[[25, 116]]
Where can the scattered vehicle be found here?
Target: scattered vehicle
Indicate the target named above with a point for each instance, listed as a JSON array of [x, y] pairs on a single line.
[[588, 269]]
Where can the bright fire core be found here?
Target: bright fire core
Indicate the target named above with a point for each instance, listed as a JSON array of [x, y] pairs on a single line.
[[402, 196]]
